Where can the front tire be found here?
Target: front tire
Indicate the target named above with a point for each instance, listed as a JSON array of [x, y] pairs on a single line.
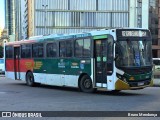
[[30, 79], [86, 84]]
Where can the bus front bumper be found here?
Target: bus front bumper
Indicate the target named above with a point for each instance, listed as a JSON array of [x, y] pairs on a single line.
[[121, 85]]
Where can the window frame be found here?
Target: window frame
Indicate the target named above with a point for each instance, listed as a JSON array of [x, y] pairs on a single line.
[[30, 51], [12, 53], [46, 50], [65, 44], [91, 47], [43, 56]]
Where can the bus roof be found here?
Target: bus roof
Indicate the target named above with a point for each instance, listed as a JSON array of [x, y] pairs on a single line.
[[40, 38]]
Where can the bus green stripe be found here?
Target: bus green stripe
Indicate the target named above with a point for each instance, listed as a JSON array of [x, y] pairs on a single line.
[[58, 66], [100, 37]]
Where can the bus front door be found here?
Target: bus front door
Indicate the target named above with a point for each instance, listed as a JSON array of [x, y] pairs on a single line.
[[16, 62], [100, 61]]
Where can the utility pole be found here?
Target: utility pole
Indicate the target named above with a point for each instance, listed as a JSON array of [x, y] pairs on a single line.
[[45, 19]]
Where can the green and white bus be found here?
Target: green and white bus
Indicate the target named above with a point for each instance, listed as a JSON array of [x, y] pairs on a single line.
[[115, 59]]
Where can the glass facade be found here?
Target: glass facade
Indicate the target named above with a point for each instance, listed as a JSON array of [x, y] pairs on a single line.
[[153, 23], [153, 20], [9, 16]]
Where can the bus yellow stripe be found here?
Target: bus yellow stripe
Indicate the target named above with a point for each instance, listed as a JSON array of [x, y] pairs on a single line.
[[120, 85]]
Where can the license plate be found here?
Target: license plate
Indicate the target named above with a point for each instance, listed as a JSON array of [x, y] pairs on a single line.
[[140, 83]]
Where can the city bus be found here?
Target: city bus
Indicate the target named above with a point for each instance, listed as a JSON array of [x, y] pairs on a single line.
[[110, 59]]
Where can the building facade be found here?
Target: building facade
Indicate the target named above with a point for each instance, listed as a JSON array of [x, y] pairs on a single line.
[[71, 16], [10, 17], [25, 18], [154, 26], [15, 19]]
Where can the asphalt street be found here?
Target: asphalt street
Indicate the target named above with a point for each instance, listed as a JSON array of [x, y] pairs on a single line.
[[16, 96]]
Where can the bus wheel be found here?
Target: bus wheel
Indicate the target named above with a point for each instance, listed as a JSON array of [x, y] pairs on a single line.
[[86, 84], [30, 79]]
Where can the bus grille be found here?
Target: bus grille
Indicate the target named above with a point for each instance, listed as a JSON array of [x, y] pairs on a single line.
[[135, 84], [138, 71]]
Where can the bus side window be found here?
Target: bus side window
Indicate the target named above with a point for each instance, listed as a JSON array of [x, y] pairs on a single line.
[[69, 49], [62, 49], [9, 52], [38, 50], [87, 48], [26, 51], [51, 50], [78, 48]]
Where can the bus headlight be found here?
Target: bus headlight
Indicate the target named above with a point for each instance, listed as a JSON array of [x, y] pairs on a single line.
[[124, 79]]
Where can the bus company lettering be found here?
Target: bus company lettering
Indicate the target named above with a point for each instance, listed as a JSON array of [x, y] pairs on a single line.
[[61, 65], [37, 65], [74, 65], [29, 65]]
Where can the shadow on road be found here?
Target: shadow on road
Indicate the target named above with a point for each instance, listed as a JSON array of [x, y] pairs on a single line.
[[121, 93], [98, 92]]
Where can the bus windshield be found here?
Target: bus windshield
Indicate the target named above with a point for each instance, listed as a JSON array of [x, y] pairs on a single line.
[[134, 53]]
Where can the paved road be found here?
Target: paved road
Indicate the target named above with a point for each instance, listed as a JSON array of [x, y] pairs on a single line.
[[16, 96]]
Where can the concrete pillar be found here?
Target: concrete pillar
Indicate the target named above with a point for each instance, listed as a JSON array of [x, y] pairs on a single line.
[[145, 14], [132, 15]]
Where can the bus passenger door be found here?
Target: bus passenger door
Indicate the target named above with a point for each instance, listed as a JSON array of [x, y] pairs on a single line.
[[17, 62], [100, 54]]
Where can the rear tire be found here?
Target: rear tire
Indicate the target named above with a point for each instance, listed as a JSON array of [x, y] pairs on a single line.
[[30, 79], [86, 85]]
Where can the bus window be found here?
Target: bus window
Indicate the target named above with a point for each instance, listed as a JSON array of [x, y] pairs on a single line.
[[69, 49], [51, 50], [78, 48], [26, 51], [83, 48], [110, 47], [9, 52], [62, 49], [38, 50], [87, 48]]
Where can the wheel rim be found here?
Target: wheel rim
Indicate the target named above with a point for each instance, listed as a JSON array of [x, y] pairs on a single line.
[[30, 79], [87, 84]]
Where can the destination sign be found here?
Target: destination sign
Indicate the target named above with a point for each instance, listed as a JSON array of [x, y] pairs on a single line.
[[133, 33]]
